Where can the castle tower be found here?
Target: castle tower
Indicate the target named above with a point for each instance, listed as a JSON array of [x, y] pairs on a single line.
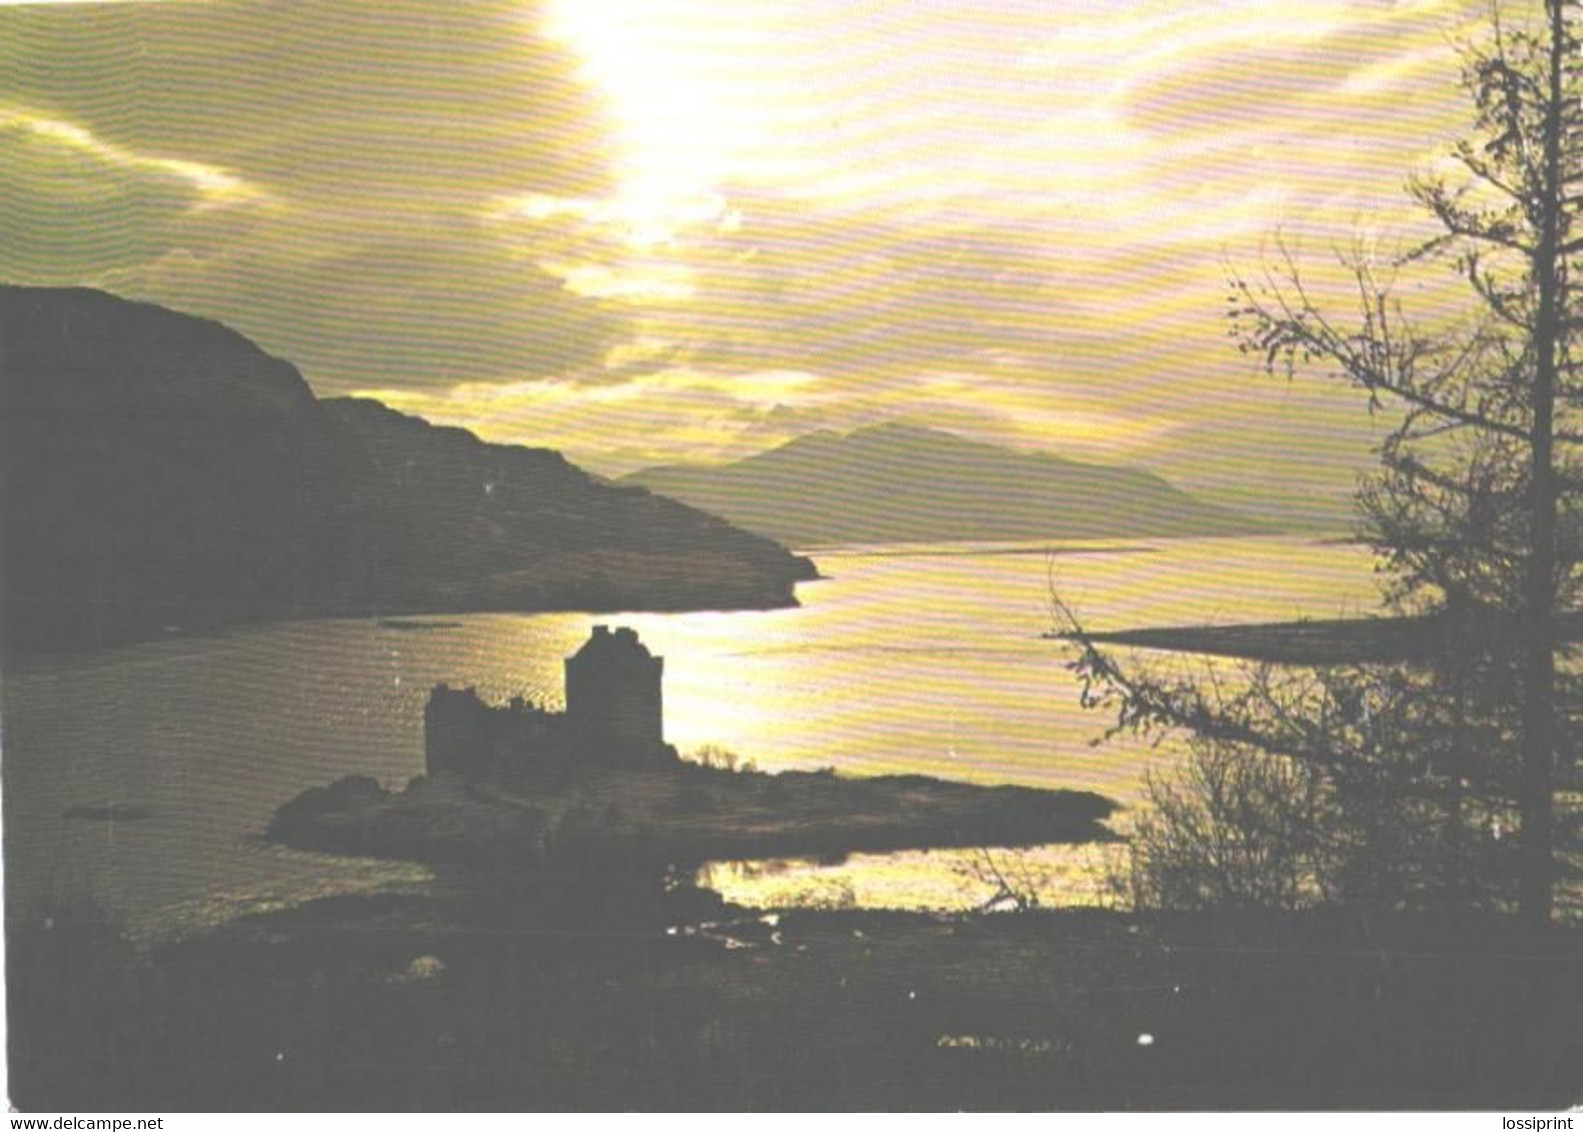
[[614, 709]]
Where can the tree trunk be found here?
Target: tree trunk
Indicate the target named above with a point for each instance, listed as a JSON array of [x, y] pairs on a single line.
[[1536, 893]]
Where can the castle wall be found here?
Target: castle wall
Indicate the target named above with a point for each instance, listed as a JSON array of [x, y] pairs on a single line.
[[464, 735], [456, 731], [614, 716]]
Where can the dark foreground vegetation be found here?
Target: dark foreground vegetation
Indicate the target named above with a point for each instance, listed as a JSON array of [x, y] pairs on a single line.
[[449, 1002]]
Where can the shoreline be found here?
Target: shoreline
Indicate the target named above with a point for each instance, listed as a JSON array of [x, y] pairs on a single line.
[[1333, 641], [415, 616], [683, 813]]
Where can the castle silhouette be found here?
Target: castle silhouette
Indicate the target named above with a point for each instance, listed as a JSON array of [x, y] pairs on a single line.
[[614, 717]]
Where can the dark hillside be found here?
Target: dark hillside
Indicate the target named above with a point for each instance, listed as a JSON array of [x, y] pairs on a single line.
[[160, 471]]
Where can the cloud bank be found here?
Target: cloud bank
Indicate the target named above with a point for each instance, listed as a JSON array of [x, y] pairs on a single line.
[[659, 230]]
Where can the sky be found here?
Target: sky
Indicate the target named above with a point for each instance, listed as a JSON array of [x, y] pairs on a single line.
[[657, 231]]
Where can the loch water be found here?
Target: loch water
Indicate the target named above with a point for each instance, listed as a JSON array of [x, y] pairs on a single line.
[[142, 777]]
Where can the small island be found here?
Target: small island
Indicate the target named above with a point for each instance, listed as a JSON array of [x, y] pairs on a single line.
[[597, 785]]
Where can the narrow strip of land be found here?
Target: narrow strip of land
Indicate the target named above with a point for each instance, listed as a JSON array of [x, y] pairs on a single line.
[[1336, 641]]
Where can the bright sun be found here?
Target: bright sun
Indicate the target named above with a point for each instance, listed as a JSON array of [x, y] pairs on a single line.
[[654, 62]]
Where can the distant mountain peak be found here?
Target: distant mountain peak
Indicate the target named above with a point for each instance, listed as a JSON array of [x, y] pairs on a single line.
[[903, 430], [901, 481], [898, 428]]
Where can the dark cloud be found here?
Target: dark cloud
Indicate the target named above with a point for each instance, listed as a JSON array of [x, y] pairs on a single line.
[[402, 97], [443, 304], [325, 175], [70, 209], [836, 291], [1008, 218]]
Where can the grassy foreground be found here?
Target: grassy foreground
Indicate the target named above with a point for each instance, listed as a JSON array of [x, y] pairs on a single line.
[[439, 1003]]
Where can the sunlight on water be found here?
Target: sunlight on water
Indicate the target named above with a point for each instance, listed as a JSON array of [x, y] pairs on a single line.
[[907, 659], [932, 662], [951, 880]]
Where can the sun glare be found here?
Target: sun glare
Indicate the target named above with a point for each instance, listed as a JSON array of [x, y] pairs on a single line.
[[650, 62]]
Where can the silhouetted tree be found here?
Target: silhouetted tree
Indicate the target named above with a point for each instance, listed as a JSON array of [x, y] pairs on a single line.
[[1369, 808], [1474, 512]]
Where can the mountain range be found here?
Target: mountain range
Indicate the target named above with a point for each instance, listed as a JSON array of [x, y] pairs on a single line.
[[159, 470], [899, 483]]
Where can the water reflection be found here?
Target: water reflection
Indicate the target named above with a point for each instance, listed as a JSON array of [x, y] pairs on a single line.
[[932, 663], [951, 880], [918, 659]]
